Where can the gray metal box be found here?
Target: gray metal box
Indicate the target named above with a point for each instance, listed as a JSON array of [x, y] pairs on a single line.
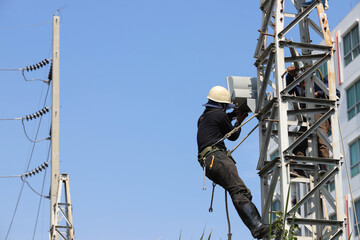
[[243, 91]]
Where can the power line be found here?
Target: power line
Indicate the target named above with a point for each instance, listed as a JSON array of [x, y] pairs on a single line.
[[7, 119], [14, 176], [27, 136], [32, 189], [40, 199], [30, 173], [27, 168], [31, 68], [22, 186], [11, 69], [32, 116], [13, 216], [28, 80]]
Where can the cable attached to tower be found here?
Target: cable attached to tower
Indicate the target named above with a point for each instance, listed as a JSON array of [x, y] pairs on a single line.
[[36, 66], [35, 115], [36, 170]]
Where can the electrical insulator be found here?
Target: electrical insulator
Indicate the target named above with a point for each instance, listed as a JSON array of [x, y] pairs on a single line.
[[37, 114], [37, 65], [50, 73], [37, 170]]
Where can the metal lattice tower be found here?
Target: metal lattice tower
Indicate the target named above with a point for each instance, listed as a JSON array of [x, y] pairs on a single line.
[[62, 227], [281, 116]]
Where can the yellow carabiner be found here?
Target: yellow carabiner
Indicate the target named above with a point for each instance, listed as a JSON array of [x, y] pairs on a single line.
[[212, 161]]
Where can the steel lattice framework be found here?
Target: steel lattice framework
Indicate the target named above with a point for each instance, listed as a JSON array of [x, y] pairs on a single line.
[[281, 116]]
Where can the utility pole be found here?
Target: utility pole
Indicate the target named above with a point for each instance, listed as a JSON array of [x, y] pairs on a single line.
[[55, 121], [61, 221], [312, 198]]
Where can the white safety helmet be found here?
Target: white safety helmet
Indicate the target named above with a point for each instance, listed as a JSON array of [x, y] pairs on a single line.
[[219, 94]]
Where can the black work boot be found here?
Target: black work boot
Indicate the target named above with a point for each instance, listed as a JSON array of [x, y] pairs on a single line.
[[251, 217]]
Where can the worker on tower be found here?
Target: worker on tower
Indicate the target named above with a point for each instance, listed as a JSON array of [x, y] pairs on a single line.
[[299, 90], [219, 167]]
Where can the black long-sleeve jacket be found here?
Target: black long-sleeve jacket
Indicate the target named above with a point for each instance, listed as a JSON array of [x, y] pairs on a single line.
[[213, 124], [301, 92]]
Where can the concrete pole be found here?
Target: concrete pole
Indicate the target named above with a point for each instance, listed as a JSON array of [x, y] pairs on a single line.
[[55, 114]]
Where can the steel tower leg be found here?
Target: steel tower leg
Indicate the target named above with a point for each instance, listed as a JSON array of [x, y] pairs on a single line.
[[63, 227]]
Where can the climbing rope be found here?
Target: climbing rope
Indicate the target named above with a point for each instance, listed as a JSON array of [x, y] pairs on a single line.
[[244, 138], [234, 130], [227, 136], [227, 216]]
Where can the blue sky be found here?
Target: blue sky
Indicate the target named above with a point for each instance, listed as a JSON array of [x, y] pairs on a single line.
[[133, 77]]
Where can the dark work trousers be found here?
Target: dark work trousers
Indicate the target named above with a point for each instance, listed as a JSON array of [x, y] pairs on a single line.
[[323, 150], [222, 170]]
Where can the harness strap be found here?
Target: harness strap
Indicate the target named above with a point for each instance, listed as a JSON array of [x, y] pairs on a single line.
[[204, 167], [209, 150], [202, 157]]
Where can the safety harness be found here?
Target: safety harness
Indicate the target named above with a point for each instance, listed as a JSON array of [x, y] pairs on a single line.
[[202, 157], [213, 148]]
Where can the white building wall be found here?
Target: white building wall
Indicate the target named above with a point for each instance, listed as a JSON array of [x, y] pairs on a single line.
[[349, 75]]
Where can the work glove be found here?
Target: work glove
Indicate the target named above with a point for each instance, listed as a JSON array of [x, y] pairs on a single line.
[[240, 117]]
